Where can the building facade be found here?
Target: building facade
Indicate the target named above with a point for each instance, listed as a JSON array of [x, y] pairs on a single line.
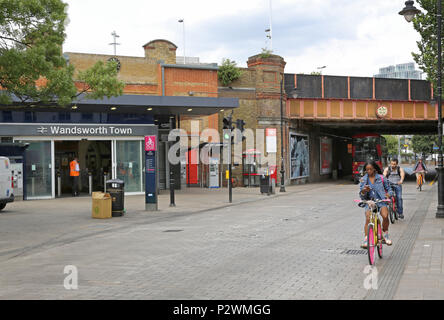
[[400, 71], [311, 119], [107, 135]]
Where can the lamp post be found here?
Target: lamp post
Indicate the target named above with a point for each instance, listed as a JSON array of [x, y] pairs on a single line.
[[282, 188], [183, 23], [320, 68], [409, 13]]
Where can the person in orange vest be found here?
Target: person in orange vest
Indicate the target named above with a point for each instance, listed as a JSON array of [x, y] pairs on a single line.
[[74, 172]]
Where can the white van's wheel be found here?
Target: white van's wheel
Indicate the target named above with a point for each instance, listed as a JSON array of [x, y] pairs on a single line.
[[2, 206]]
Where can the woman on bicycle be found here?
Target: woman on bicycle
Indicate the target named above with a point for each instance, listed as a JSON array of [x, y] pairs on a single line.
[[420, 169], [374, 187]]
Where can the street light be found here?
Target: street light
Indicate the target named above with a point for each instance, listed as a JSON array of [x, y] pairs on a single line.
[[320, 68], [409, 12], [282, 188], [183, 21]]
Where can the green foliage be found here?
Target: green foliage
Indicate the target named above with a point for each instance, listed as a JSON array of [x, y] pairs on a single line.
[[423, 145], [426, 24], [392, 145], [101, 79], [32, 33], [266, 53], [315, 73], [228, 72]]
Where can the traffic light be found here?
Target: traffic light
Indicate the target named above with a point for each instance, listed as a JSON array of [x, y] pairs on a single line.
[[227, 128], [227, 123], [240, 125]]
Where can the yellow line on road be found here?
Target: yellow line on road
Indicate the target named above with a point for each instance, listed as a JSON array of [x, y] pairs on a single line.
[[431, 183]]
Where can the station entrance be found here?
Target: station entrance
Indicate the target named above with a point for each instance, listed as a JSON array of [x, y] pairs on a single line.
[[94, 158]]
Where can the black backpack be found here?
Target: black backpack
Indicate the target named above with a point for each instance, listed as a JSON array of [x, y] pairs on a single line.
[[389, 172]]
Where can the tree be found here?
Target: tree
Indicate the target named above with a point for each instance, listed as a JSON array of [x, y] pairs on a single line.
[[423, 144], [228, 72], [392, 145], [426, 24], [32, 66]]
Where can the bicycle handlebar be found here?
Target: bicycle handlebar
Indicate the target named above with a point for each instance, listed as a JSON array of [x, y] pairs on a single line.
[[362, 203]]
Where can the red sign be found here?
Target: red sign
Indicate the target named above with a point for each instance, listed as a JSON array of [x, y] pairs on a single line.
[[270, 132], [150, 143]]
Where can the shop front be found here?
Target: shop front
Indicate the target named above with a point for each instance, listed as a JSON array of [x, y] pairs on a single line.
[[104, 151]]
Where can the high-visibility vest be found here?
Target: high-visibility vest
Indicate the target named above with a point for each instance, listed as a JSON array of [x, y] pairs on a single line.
[[72, 169]]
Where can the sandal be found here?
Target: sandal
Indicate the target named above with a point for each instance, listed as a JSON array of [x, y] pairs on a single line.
[[364, 244]]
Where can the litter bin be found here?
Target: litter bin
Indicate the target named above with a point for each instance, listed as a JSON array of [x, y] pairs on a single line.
[[265, 183], [115, 188], [101, 205]]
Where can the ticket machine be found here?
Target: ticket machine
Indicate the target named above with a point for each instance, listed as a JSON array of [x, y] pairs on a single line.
[[214, 173]]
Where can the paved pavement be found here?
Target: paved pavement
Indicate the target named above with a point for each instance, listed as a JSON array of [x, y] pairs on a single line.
[[302, 244]]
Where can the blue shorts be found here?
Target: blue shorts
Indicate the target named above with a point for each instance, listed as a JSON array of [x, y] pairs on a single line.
[[380, 205]]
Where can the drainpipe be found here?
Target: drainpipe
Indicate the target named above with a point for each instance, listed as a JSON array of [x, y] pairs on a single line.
[[163, 78]]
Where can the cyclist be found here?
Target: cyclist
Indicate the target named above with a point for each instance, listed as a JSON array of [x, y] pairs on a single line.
[[374, 186], [420, 169], [395, 174]]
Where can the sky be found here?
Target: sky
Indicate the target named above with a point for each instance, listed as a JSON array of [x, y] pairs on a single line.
[[349, 37]]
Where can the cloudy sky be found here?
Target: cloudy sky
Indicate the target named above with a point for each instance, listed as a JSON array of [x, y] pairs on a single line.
[[350, 37]]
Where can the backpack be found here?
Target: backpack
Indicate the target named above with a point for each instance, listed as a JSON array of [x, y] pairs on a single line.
[[389, 172]]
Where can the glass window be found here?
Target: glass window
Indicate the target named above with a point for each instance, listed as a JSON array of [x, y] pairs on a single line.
[[38, 169], [7, 116], [87, 117], [366, 149], [129, 164], [64, 116]]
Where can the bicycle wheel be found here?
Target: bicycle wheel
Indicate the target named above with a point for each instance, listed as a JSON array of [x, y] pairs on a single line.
[[391, 213], [371, 244], [379, 237], [395, 210]]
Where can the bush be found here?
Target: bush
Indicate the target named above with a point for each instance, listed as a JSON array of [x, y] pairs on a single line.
[[228, 72], [266, 53]]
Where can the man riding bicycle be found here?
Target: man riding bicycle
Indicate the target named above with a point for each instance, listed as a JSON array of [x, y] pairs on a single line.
[[395, 174], [374, 186], [420, 169]]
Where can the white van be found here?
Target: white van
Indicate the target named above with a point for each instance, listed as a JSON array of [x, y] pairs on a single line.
[[6, 183]]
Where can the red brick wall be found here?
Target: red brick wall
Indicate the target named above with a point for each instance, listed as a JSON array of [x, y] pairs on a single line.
[[179, 82]]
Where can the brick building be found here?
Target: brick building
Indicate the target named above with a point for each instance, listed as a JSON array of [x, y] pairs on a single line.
[[108, 135], [160, 95]]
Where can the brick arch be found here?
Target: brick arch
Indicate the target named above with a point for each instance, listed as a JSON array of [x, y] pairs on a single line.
[[159, 40]]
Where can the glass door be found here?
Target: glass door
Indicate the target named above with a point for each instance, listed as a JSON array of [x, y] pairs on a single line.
[[128, 161], [39, 171]]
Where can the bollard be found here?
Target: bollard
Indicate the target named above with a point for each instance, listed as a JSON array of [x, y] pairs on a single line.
[[273, 186], [172, 200], [90, 183], [104, 181], [33, 186], [59, 185]]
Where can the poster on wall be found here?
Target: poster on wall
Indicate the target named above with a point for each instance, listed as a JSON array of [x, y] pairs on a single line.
[[299, 156], [326, 155], [270, 136]]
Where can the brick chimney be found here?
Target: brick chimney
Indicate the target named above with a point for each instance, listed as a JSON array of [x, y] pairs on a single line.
[[161, 49]]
